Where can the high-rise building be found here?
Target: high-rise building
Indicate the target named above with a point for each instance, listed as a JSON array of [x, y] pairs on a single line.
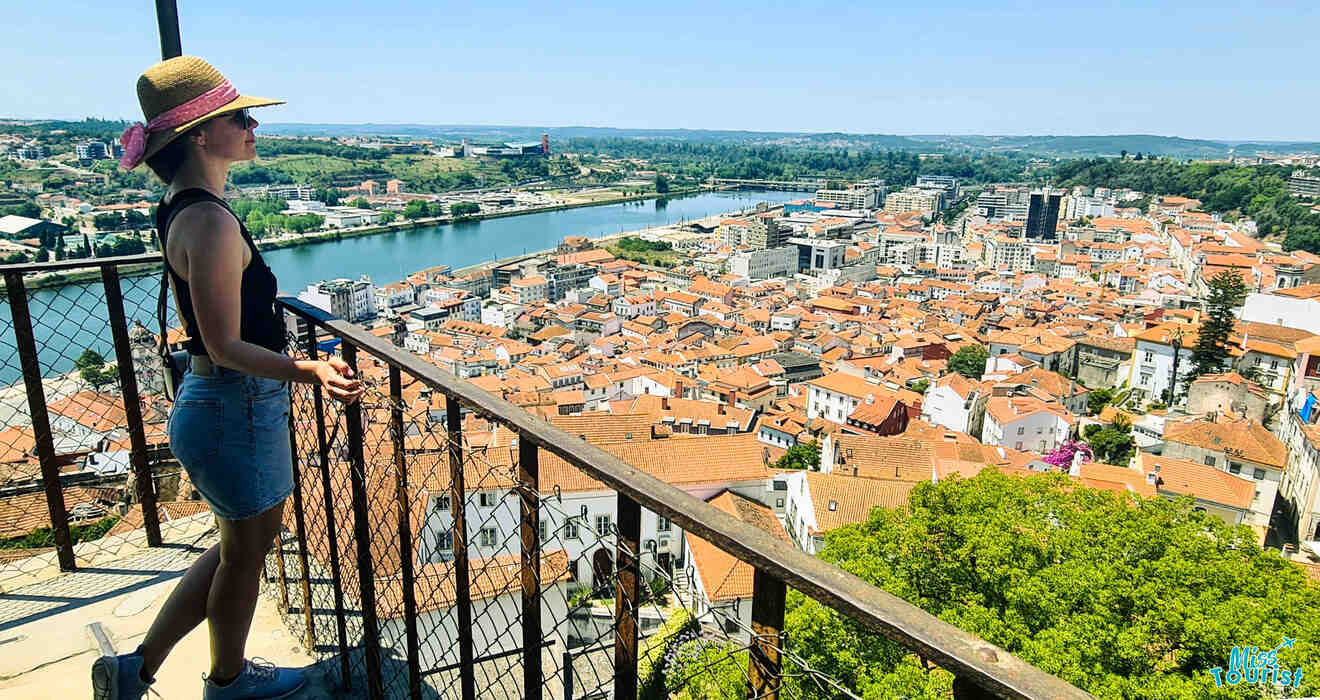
[[763, 231], [915, 199], [1043, 214], [92, 150]]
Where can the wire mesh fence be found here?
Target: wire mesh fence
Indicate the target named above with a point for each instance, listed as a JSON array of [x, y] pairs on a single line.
[[82, 420], [421, 555]]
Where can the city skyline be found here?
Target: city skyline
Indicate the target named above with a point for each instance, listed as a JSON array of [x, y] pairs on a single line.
[[950, 69]]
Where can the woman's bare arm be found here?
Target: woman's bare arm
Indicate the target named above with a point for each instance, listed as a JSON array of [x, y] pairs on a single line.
[[214, 247]]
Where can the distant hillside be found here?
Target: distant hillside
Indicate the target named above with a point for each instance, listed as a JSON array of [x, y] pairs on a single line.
[[1058, 146], [1052, 146]]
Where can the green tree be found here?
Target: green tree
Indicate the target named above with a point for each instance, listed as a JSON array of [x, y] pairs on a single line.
[[1228, 291], [1098, 399], [460, 209], [416, 209], [801, 456], [387, 215], [920, 386], [1112, 443], [256, 224], [360, 203], [1121, 596], [970, 361], [92, 368], [661, 184]]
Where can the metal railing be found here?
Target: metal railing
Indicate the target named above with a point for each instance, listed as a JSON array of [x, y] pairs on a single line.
[[414, 553], [94, 408], [391, 441]]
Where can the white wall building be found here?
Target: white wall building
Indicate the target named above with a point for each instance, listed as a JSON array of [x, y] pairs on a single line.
[[764, 264]]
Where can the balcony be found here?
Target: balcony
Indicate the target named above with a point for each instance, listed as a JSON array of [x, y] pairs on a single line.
[[440, 542]]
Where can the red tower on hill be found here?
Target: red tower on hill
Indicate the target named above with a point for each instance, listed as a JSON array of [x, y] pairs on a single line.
[[545, 144]]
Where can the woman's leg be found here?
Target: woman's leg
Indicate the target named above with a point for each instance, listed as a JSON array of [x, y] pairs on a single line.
[[232, 599], [182, 611]]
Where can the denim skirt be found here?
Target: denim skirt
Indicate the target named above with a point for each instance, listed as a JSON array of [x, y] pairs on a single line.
[[230, 431]]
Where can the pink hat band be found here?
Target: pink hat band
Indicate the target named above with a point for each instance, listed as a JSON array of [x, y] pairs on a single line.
[[134, 138]]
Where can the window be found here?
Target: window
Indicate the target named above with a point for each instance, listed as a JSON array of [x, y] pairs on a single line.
[[446, 541], [441, 501], [834, 505], [603, 525], [1021, 429], [571, 530], [1145, 379], [1150, 357], [1234, 468], [1274, 365], [662, 523], [488, 536], [540, 532], [1209, 460], [1018, 446], [487, 499], [779, 503], [1258, 474]]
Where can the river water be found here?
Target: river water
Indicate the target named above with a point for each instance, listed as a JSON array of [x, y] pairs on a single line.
[[69, 319]]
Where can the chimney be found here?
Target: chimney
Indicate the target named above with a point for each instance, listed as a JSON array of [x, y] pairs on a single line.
[[664, 403]]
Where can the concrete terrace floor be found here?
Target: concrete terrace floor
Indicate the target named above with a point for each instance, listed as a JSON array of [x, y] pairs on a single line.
[[46, 647]]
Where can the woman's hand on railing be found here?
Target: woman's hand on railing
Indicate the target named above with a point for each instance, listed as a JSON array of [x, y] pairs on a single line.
[[334, 375]]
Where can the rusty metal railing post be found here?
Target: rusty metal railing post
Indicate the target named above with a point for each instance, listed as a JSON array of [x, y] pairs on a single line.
[[137, 435], [26, 343], [405, 536], [529, 486], [764, 662], [357, 474], [626, 600], [300, 532], [167, 19], [331, 527], [462, 577]]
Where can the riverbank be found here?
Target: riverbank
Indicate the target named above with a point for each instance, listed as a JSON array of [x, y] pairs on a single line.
[[93, 273]]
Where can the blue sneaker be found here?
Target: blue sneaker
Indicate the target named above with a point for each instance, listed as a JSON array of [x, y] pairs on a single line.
[[119, 677], [259, 680]]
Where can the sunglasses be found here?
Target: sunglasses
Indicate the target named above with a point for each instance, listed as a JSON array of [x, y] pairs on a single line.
[[242, 119]]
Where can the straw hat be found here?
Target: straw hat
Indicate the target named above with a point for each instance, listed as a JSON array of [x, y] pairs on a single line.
[[176, 95]]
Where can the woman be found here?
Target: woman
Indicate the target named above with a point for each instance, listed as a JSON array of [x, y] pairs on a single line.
[[229, 424]]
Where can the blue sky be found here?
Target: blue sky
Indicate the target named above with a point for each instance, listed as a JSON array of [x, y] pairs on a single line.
[[1234, 71]]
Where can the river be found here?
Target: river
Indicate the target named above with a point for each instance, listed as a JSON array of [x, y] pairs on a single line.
[[72, 318]]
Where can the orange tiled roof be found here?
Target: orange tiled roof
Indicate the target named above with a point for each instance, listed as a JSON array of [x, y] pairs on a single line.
[[723, 576]]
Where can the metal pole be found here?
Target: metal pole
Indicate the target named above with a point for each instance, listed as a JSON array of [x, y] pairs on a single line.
[[462, 580], [331, 527], [405, 535], [137, 438], [26, 343], [167, 18], [628, 586], [529, 485], [357, 472]]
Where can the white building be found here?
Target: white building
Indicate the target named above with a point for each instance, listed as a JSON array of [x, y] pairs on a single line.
[[1026, 423], [950, 402], [764, 264], [1291, 310], [811, 504], [634, 305], [1152, 361], [351, 300]]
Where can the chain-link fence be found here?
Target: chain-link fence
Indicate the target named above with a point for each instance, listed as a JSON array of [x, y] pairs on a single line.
[[441, 543], [82, 419]]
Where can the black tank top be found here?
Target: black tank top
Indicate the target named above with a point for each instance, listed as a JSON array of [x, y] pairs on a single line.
[[259, 322]]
